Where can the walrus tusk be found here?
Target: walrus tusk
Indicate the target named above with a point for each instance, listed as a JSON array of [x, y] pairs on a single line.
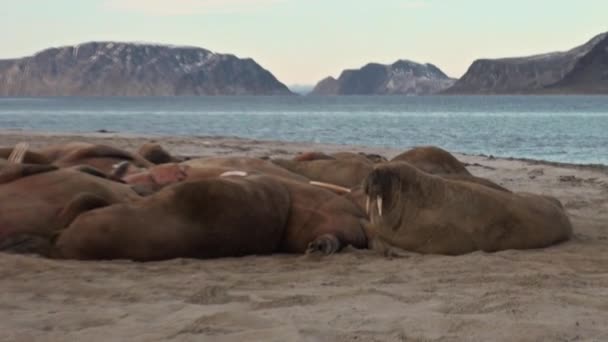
[[367, 205], [333, 187], [234, 173], [18, 153], [379, 203], [119, 170]]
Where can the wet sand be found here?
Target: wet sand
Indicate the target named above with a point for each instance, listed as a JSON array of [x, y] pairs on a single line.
[[557, 294]]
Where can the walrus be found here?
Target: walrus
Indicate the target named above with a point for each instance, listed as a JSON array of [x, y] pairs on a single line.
[[433, 160], [218, 217], [347, 173], [233, 215], [101, 157], [416, 211], [40, 200]]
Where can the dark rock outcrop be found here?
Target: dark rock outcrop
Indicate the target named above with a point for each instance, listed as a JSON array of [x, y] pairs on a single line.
[[579, 70], [127, 69], [400, 78]]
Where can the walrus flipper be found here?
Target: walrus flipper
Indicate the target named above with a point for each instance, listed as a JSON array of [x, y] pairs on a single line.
[[326, 244], [78, 205]]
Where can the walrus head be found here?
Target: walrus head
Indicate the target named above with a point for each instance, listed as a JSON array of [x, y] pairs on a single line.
[[388, 188]]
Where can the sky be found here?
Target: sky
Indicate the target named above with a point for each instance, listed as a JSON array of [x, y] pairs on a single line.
[[304, 41]]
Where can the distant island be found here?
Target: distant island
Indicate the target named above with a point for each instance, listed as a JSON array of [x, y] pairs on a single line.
[[131, 69], [400, 78], [581, 70]]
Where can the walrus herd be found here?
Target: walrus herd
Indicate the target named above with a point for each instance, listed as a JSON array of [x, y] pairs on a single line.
[[86, 201]]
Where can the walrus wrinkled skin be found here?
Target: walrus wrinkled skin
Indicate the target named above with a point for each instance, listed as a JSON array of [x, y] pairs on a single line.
[[40, 199], [101, 157], [347, 172], [416, 211], [433, 160]]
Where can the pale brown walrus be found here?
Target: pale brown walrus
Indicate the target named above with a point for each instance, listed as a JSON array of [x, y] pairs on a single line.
[[218, 217], [347, 173], [416, 211], [39, 199]]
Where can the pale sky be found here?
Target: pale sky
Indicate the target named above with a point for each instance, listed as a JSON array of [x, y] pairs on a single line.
[[303, 41]]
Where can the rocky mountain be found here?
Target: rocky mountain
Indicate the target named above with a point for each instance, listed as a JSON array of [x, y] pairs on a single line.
[[400, 78], [579, 70], [128, 69]]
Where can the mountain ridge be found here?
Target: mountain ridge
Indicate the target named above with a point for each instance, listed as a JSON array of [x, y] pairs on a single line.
[[110, 68]]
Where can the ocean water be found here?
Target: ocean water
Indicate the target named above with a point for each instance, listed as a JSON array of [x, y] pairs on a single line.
[[556, 128]]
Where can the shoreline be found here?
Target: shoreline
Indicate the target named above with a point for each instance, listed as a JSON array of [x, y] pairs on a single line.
[[10, 137]]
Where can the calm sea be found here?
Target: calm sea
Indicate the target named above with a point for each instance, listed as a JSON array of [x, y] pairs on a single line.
[[560, 128]]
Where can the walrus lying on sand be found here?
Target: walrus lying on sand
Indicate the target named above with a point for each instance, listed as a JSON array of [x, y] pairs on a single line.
[[39, 200], [346, 172], [416, 211], [246, 164], [217, 217], [101, 157]]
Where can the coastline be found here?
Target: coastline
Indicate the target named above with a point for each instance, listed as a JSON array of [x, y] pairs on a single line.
[[545, 294], [188, 146]]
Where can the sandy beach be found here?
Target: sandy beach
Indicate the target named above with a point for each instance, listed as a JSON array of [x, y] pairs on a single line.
[[554, 294]]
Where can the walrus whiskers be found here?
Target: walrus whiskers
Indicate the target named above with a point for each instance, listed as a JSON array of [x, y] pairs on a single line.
[[336, 188]]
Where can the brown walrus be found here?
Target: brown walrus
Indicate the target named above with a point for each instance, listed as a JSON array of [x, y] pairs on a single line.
[[416, 211], [204, 219], [433, 160], [40, 199], [101, 157], [217, 217]]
